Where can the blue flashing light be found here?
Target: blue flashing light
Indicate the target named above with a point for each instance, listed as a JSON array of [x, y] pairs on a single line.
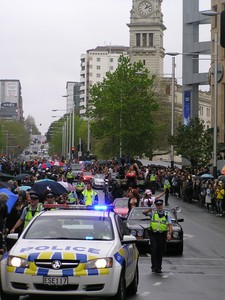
[[101, 207]]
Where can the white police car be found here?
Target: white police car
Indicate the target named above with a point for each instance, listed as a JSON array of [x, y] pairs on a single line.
[[72, 252]]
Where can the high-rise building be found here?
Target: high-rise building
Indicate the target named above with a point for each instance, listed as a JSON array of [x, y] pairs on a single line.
[[94, 66], [218, 6], [11, 104], [73, 97]]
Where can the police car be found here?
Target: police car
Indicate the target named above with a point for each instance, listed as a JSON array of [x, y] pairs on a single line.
[[84, 251]]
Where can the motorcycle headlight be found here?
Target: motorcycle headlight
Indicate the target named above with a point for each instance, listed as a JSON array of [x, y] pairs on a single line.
[[19, 262], [133, 232], [175, 234], [100, 263], [140, 232]]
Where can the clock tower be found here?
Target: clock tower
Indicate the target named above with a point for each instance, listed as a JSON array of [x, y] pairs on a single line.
[[146, 34]]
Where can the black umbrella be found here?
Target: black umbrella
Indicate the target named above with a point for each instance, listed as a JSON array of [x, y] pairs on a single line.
[[4, 184], [41, 186], [221, 178], [21, 176]]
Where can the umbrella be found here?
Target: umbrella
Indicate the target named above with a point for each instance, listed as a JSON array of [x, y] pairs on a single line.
[[24, 187], [42, 185], [12, 198], [21, 176], [58, 164], [88, 162], [102, 162], [67, 186], [221, 178], [4, 184], [6, 176], [45, 165], [207, 176]]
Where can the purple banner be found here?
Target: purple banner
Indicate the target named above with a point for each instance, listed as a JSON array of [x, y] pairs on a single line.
[[187, 107]]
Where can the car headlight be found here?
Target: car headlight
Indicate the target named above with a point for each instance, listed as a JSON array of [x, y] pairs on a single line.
[[175, 234], [140, 232], [133, 232], [19, 262], [100, 263]]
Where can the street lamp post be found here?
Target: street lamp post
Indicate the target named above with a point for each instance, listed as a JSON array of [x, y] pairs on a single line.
[[173, 54], [67, 133], [215, 77], [72, 123]]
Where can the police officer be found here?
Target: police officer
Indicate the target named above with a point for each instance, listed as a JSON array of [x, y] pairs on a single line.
[[70, 176], [90, 197], [29, 211], [160, 230], [80, 187]]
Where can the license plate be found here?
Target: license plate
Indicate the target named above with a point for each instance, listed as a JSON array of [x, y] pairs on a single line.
[[55, 280]]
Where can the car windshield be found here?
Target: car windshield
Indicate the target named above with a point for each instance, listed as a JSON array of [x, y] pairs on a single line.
[[137, 214], [71, 228], [101, 176], [76, 167]]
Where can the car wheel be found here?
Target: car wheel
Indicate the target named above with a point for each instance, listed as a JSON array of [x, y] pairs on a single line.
[[5, 296], [133, 287], [121, 292], [180, 249]]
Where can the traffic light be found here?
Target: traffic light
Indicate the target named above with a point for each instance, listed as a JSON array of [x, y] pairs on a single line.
[[222, 29], [73, 150]]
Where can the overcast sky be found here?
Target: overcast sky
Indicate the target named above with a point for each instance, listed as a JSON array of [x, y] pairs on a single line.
[[41, 42]]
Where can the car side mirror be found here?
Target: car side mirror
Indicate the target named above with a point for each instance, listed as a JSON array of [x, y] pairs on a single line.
[[128, 239], [180, 220]]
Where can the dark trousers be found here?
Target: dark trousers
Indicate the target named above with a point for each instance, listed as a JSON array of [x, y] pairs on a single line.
[[167, 193], [158, 244]]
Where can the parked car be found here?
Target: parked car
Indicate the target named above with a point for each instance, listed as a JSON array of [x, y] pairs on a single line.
[[138, 224], [87, 176], [98, 181], [121, 207], [76, 169]]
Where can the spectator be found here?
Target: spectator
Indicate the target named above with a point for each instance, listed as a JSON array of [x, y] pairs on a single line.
[[3, 215]]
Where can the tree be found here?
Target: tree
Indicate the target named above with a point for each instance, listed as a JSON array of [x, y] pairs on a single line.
[[193, 142], [31, 126], [121, 109], [14, 137]]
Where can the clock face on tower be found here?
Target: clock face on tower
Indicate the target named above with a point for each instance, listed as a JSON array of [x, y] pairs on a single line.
[[144, 8]]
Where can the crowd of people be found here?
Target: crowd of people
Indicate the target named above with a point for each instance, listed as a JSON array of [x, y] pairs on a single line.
[[137, 182]]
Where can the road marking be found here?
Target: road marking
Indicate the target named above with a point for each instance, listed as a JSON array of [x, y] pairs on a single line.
[[189, 236], [157, 283], [145, 294]]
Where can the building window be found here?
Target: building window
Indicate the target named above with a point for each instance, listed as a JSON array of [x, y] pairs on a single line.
[[143, 62], [111, 59], [111, 68], [201, 110], [138, 39], [98, 75], [144, 39], [150, 39], [208, 112], [168, 90], [98, 67], [98, 58]]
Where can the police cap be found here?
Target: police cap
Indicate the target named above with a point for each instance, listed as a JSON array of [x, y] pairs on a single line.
[[33, 195], [158, 202]]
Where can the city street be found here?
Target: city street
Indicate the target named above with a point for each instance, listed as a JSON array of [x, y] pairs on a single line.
[[200, 272]]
